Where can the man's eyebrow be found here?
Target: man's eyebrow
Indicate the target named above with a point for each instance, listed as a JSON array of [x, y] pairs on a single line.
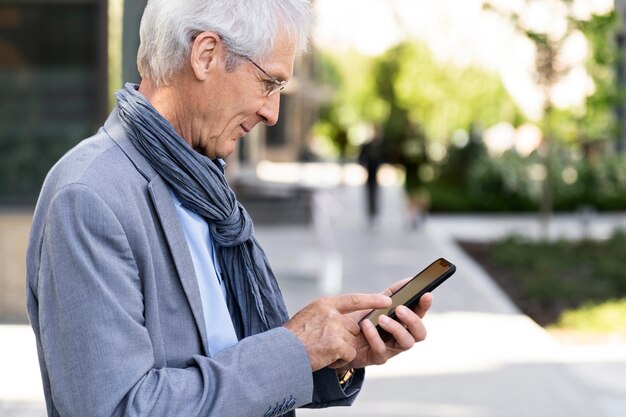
[[280, 75]]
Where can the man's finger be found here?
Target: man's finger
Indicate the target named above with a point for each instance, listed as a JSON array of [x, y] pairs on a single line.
[[424, 305], [400, 333], [413, 324], [350, 325], [396, 286], [354, 302], [377, 345]]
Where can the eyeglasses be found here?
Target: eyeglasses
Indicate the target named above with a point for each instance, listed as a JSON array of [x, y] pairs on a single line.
[[272, 86]]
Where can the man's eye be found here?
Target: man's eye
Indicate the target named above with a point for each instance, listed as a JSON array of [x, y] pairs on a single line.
[[269, 85]]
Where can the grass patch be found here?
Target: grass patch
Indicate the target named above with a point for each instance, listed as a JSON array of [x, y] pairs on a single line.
[[577, 285], [604, 317]]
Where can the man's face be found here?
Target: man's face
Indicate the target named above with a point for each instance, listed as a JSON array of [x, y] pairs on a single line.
[[230, 103]]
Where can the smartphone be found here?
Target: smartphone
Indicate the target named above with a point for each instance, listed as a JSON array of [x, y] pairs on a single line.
[[410, 293]]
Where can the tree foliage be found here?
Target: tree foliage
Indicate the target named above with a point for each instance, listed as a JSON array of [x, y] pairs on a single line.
[[422, 102], [598, 121], [443, 97], [408, 90]]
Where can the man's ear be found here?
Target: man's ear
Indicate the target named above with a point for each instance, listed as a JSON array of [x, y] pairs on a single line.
[[204, 54]]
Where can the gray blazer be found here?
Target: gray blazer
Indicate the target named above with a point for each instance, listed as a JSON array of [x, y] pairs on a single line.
[[114, 303]]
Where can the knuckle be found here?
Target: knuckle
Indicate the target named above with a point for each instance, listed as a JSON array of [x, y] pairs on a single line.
[[323, 303], [408, 343], [355, 299], [380, 351], [351, 351], [380, 357], [326, 309], [342, 353]]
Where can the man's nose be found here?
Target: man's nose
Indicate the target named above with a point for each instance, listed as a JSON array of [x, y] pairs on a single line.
[[270, 109]]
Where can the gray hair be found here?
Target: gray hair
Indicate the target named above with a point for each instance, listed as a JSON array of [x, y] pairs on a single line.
[[249, 28]]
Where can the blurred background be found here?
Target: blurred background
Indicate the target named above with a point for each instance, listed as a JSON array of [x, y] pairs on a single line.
[[491, 132]]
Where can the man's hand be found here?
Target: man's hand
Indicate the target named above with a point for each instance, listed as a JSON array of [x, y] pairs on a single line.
[[329, 331], [406, 331]]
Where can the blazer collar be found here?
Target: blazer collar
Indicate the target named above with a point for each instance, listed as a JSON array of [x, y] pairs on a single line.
[[114, 128]]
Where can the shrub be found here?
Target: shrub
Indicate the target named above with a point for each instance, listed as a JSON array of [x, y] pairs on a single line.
[[548, 278]]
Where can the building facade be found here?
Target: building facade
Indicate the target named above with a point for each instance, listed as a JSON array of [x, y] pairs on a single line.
[[53, 81], [58, 64]]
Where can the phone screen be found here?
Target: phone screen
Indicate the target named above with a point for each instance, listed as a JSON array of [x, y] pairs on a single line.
[[410, 293]]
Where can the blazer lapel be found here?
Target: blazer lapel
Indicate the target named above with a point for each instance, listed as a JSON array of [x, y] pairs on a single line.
[[180, 251], [169, 220]]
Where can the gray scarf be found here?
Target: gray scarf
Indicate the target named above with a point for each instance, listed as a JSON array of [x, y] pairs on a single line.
[[252, 294]]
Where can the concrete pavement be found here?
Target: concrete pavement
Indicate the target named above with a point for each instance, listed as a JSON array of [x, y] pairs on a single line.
[[482, 356]]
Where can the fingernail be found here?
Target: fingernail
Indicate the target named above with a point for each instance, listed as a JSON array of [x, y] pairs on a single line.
[[383, 319]]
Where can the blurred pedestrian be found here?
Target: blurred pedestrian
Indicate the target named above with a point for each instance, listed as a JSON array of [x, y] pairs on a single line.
[[371, 157], [415, 161], [147, 290]]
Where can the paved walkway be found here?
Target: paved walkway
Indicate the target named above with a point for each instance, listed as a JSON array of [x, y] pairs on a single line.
[[481, 358]]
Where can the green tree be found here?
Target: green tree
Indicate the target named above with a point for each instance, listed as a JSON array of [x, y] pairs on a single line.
[[407, 85], [598, 121], [354, 99], [427, 102], [595, 119]]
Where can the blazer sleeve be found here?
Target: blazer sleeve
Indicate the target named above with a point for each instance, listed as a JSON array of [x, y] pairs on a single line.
[[329, 393], [98, 352]]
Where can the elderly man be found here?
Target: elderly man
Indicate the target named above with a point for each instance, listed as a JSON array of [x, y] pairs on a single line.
[[147, 291]]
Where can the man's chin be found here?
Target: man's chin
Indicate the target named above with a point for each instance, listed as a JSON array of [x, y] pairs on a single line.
[[226, 152]]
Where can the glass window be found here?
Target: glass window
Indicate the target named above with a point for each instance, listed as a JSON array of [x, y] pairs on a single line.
[[51, 87]]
